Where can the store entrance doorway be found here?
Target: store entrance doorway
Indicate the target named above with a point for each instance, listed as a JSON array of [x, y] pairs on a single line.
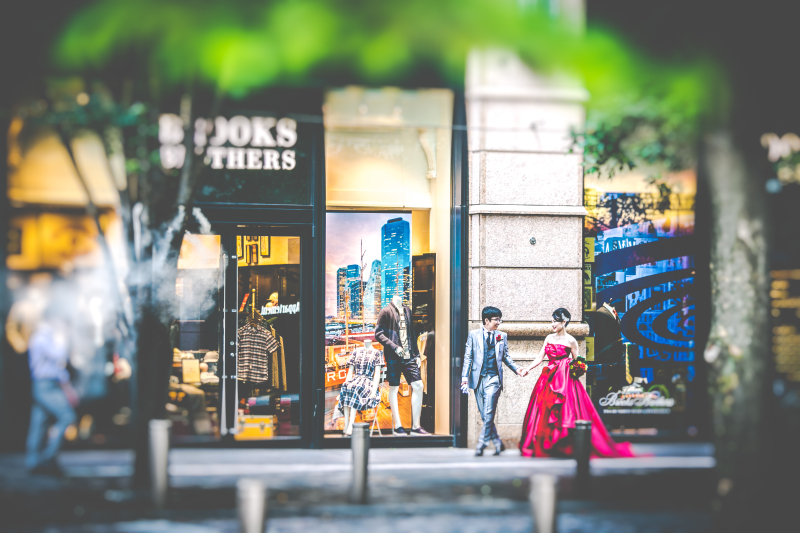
[[264, 325]]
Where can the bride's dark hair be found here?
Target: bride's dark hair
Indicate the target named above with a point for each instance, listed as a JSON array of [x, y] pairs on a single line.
[[562, 315]]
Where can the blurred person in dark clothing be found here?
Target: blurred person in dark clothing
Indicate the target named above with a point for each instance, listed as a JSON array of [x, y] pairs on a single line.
[[53, 395]]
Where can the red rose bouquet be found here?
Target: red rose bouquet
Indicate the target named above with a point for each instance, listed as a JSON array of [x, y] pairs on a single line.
[[577, 367]]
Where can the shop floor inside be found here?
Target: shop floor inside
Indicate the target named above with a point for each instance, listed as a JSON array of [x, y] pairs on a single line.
[[411, 489]]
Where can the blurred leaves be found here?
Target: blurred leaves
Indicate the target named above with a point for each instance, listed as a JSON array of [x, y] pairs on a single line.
[[643, 140], [239, 46], [641, 111]]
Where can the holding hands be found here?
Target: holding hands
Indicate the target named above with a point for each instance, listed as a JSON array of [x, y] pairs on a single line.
[[525, 371]]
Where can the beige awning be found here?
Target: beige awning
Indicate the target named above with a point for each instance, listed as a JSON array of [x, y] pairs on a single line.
[[43, 173]]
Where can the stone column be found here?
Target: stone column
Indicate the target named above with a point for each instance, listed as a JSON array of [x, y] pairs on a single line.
[[526, 215]]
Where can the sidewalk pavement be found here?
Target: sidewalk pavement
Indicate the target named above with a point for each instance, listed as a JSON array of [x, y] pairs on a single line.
[[411, 489]]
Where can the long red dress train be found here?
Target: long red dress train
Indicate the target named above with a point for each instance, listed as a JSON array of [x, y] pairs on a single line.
[[557, 401]]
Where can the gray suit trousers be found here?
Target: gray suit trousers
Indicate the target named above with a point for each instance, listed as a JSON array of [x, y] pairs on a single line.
[[486, 394]]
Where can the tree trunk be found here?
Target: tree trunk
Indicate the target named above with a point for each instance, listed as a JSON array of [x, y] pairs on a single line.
[[737, 349], [159, 310]]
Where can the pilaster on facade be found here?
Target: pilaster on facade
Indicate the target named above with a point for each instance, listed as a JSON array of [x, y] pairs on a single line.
[[525, 213]]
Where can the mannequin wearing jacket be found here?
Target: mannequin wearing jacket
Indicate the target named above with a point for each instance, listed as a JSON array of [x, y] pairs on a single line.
[[608, 348], [394, 332]]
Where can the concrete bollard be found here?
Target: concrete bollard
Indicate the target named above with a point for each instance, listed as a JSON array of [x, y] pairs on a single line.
[[159, 461], [543, 500], [583, 447], [359, 443], [251, 505]]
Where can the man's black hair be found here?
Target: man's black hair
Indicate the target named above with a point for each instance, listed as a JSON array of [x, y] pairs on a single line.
[[490, 312]]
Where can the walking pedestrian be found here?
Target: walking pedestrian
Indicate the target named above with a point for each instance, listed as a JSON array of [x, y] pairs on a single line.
[[484, 356], [53, 395]]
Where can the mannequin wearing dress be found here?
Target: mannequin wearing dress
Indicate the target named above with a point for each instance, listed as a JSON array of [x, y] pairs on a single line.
[[350, 412]]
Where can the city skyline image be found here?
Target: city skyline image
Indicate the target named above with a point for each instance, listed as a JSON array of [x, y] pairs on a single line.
[[396, 260], [386, 239]]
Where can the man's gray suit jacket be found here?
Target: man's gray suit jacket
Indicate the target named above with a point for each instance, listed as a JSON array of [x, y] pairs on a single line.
[[474, 352]]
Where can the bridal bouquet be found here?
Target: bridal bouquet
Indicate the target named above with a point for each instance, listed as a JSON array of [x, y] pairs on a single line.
[[577, 367]]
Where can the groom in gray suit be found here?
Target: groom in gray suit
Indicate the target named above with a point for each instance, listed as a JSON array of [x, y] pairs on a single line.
[[486, 349]]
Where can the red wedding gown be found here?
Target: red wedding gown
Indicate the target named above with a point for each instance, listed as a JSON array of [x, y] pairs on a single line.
[[557, 401]]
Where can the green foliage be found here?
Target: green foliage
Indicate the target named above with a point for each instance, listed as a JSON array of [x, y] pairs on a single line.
[[95, 113], [239, 46], [648, 140], [640, 110]]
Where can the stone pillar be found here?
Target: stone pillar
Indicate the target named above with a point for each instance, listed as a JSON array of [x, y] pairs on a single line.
[[526, 215]]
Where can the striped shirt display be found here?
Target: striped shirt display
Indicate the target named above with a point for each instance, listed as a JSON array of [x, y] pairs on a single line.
[[255, 345]]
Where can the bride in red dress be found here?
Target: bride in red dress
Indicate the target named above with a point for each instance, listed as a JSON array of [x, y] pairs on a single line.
[[558, 400]]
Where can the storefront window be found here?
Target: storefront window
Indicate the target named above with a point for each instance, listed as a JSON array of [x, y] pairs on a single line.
[[265, 350], [387, 260], [639, 295], [194, 387]]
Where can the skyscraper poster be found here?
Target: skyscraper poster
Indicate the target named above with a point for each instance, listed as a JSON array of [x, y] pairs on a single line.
[[367, 262], [357, 287]]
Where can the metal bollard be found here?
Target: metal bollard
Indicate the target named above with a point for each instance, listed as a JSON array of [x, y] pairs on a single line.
[[251, 505], [583, 447], [359, 443], [543, 502], [159, 461]]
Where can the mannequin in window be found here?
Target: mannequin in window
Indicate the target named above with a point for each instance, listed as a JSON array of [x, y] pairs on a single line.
[[608, 348], [394, 332], [360, 389], [273, 300]]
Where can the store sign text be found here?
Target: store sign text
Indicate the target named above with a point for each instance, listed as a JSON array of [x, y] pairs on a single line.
[[280, 309], [238, 143], [335, 377], [636, 399]]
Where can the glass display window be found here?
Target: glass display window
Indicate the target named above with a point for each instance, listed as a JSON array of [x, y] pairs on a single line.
[[387, 261], [247, 308], [193, 402]]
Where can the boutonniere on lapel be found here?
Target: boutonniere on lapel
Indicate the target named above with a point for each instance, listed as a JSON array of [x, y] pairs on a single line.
[[498, 338]]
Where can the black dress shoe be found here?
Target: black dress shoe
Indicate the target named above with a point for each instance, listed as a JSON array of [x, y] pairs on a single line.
[[479, 452], [499, 449]]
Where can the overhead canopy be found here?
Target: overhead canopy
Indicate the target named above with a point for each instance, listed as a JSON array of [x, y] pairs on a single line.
[[43, 174]]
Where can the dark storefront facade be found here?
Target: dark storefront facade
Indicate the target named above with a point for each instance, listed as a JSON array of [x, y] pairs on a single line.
[[261, 344]]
